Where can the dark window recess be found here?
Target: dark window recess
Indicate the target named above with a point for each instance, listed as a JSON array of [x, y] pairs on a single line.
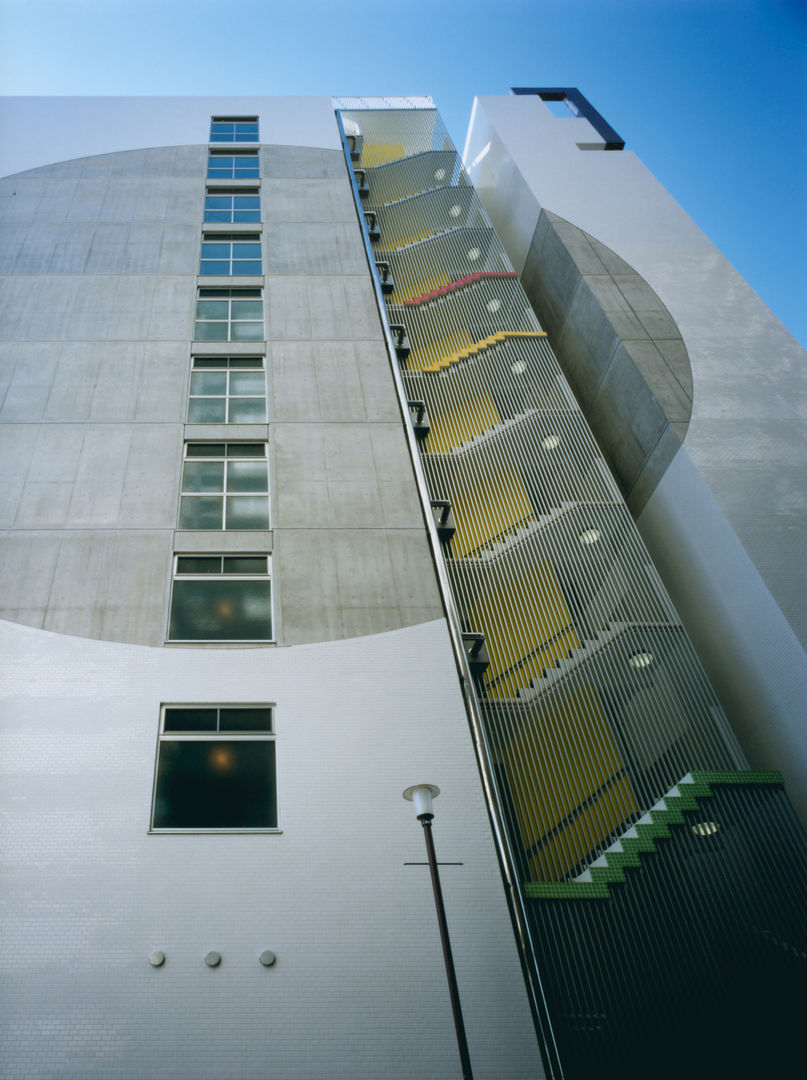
[[221, 611], [215, 784], [216, 768], [225, 718], [221, 598]]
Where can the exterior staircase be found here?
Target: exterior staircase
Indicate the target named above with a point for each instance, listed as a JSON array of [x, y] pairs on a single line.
[[641, 840], [478, 346]]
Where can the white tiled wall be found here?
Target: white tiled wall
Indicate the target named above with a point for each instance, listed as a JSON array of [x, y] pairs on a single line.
[[359, 989]]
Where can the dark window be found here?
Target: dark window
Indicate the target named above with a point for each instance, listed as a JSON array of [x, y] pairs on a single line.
[[221, 598], [215, 768]]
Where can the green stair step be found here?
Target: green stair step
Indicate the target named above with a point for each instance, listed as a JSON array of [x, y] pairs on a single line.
[[691, 792]]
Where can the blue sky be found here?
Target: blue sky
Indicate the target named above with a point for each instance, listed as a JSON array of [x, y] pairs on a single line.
[[709, 93]]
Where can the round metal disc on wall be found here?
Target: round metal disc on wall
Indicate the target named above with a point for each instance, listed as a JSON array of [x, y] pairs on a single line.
[[267, 958], [157, 958], [213, 959]]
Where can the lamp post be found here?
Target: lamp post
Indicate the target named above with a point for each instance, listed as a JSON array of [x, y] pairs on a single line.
[[421, 795]]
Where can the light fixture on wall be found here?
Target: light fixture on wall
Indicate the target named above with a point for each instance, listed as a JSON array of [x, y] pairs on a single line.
[[589, 536], [641, 660], [705, 828]]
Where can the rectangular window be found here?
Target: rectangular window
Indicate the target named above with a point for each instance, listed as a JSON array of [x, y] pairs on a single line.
[[224, 486], [221, 598], [223, 165], [227, 390], [229, 315], [232, 129], [231, 253], [215, 768], [242, 205]]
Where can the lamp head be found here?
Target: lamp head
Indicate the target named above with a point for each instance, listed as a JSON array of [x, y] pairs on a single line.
[[421, 795]]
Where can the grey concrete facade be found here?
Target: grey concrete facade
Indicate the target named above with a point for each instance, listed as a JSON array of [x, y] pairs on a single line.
[[97, 326], [722, 458], [619, 348], [97, 297]]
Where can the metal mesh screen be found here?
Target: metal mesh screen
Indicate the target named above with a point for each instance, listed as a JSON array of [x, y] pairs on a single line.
[[594, 704]]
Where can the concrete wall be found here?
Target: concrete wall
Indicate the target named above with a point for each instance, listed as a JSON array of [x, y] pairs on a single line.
[[99, 263], [359, 988], [350, 549], [747, 431], [619, 348]]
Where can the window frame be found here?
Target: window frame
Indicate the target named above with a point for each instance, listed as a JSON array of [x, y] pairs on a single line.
[[222, 575], [228, 366], [233, 194], [231, 262], [231, 296], [223, 126], [226, 493], [198, 736], [243, 164]]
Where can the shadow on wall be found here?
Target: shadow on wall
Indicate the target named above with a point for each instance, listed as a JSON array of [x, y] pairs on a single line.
[[620, 350]]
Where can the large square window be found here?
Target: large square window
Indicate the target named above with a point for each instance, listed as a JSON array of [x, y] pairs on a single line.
[[215, 768], [221, 598], [224, 486], [231, 253], [227, 390], [229, 315]]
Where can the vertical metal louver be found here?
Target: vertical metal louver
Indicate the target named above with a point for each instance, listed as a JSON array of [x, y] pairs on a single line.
[[594, 705]]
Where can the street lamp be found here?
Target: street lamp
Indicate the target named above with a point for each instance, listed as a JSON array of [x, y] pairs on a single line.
[[421, 795]]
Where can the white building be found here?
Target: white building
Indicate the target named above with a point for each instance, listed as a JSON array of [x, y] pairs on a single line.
[[250, 596]]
